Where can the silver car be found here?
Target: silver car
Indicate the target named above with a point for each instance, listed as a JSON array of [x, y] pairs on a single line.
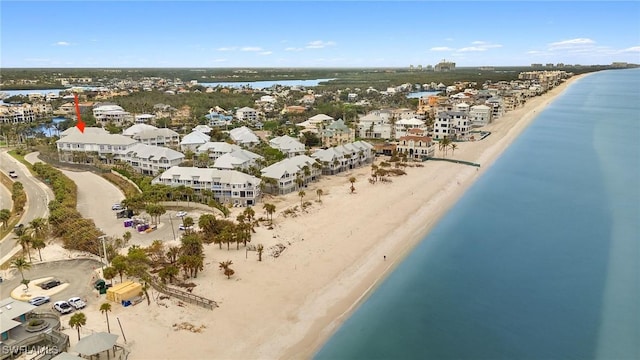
[[39, 300]]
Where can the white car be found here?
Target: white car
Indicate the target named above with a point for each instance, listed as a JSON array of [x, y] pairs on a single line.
[[117, 207], [182, 227], [77, 303], [181, 214], [62, 307]]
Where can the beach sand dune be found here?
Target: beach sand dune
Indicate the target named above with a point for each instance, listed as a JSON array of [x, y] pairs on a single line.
[[336, 252]]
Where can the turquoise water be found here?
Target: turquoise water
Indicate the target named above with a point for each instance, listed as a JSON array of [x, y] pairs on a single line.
[[538, 260]]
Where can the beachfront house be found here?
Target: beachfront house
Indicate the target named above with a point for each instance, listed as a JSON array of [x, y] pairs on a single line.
[[343, 157], [290, 174], [416, 145], [228, 186], [451, 124], [403, 126], [480, 115]]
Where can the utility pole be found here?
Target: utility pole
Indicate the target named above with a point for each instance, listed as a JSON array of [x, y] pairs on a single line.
[[172, 229], [104, 251]]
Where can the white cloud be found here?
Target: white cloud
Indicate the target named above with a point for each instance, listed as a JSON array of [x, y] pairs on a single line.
[[441, 48], [227, 48], [471, 48], [219, 60], [293, 49], [38, 60], [319, 44], [251, 48], [572, 43], [631, 49], [479, 46], [266, 53], [62, 43]]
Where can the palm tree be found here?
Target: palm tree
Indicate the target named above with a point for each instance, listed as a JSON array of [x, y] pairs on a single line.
[[126, 237], [105, 308], [270, 209], [38, 244], [39, 226], [21, 264], [188, 224], [77, 321], [260, 249], [352, 180], [25, 241], [224, 265], [301, 194], [5, 215], [319, 192], [453, 148]]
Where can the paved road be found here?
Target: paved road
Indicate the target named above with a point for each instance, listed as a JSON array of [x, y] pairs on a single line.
[[38, 196], [95, 197], [5, 198]]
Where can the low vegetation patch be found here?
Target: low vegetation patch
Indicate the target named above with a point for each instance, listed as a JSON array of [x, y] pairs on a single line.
[[66, 222]]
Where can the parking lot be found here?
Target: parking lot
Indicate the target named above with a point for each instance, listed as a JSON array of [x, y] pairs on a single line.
[[78, 273], [96, 197]]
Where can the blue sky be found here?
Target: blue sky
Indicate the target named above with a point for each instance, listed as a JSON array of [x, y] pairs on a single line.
[[315, 33]]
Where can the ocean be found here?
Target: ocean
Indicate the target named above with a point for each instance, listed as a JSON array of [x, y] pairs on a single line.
[[540, 257]]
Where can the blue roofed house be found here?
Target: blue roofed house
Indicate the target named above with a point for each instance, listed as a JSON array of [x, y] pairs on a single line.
[[218, 120]]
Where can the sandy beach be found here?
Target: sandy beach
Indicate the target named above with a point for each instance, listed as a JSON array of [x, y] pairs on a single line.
[[336, 252]]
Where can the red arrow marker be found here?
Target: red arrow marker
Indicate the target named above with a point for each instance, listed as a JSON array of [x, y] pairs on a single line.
[[80, 124]]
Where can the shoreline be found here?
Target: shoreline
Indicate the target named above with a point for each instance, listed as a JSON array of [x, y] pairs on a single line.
[[338, 251], [320, 332]]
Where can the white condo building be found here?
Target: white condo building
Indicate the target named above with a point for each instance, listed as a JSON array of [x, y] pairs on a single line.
[[228, 186]]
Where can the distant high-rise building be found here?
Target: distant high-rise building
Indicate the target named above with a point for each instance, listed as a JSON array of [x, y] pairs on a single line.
[[444, 66], [536, 65]]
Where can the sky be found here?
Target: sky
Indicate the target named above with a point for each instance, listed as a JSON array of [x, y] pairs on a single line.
[[236, 34]]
